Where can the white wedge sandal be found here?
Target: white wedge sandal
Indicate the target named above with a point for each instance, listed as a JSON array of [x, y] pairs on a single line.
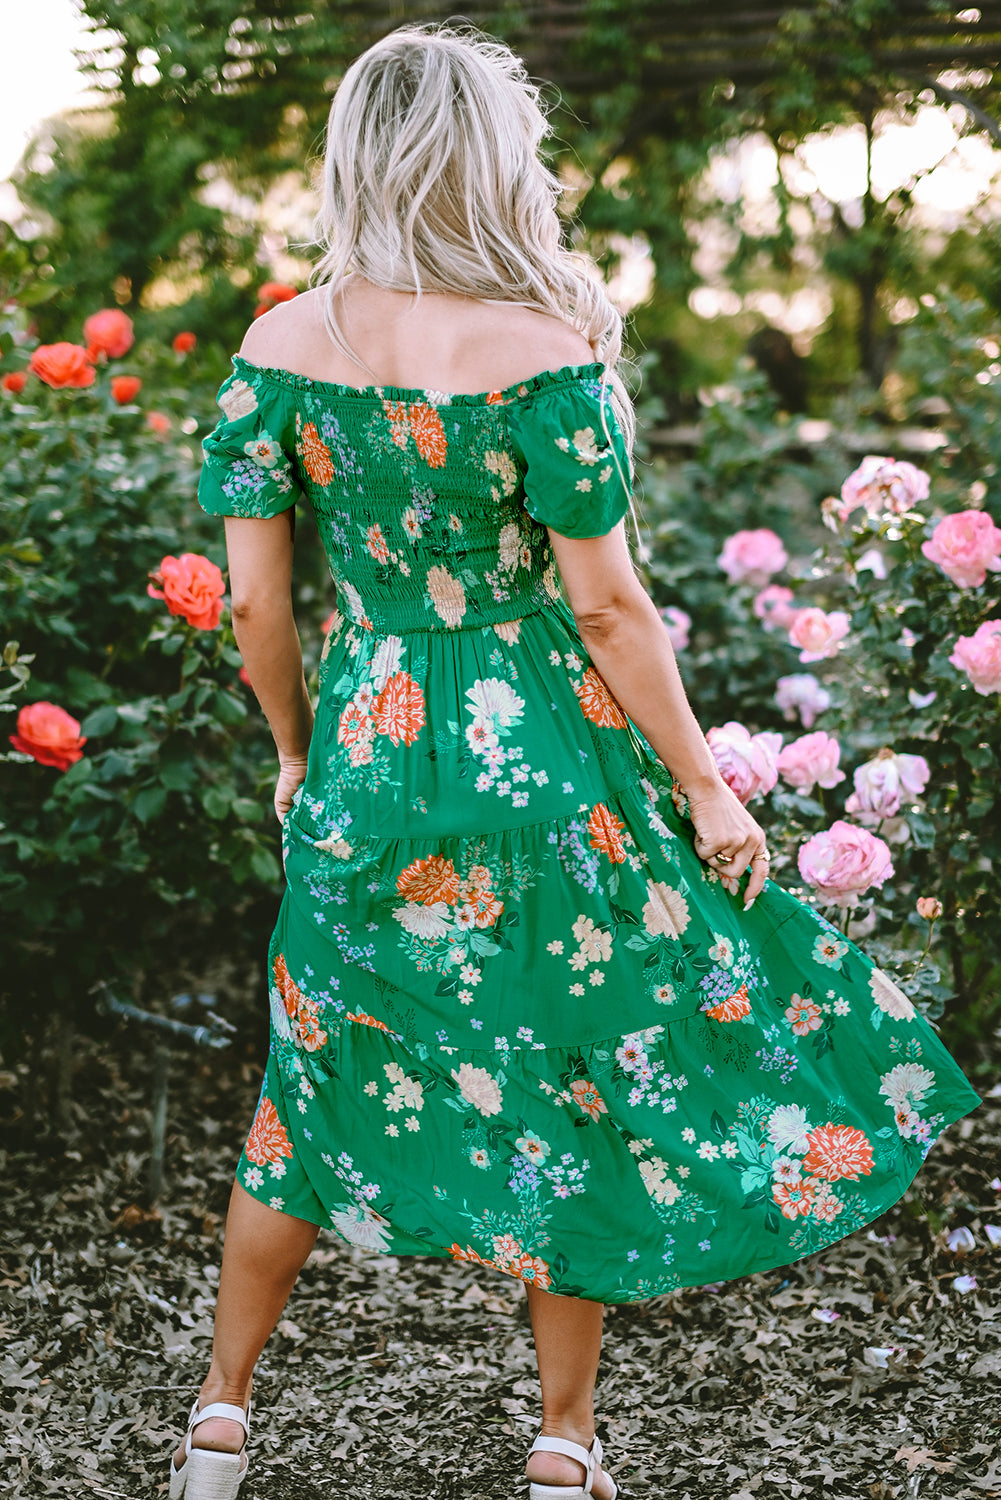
[[207, 1474], [588, 1458]]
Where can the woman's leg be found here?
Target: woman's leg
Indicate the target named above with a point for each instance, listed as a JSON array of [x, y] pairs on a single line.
[[263, 1254], [567, 1332]]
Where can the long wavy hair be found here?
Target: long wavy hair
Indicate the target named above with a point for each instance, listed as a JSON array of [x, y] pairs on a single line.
[[432, 182]]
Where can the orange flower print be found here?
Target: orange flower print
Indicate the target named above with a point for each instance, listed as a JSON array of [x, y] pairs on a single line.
[[376, 543], [531, 1268], [315, 455], [310, 1031], [354, 725], [457, 1253], [429, 880], [267, 1141], [803, 1016], [396, 415], [484, 906], [794, 1198], [290, 992], [733, 1007], [365, 1020], [603, 826], [587, 1098], [837, 1151], [597, 702], [399, 709], [429, 434]]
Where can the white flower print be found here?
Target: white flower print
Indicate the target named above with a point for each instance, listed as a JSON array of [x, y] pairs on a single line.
[[238, 401], [385, 661], [361, 1225], [263, 450], [788, 1128], [447, 594], [423, 921], [666, 910], [479, 1088], [721, 951], [662, 1189], [907, 1083], [889, 997], [508, 545], [496, 701]]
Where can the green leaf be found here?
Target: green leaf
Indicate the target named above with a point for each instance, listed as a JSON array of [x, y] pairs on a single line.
[[149, 803], [216, 802], [101, 721], [265, 866]]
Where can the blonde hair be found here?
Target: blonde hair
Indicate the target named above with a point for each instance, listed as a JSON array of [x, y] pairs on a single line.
[[431, 181]]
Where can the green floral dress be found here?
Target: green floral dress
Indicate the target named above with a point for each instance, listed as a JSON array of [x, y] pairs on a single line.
[[514, 1018]]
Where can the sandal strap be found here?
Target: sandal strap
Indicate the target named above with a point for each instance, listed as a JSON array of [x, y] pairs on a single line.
[[220, 1409], [564, 1446]]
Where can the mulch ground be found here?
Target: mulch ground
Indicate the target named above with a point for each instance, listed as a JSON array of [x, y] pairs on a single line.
[[868, 1370]]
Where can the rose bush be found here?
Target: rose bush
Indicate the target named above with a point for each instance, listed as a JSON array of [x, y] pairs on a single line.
[[907, 678], [138, 843]]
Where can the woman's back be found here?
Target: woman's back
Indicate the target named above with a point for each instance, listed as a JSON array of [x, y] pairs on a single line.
[[445, 343]]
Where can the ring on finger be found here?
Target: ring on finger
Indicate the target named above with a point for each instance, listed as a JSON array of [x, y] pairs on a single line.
[[764, 856], [723, 859]]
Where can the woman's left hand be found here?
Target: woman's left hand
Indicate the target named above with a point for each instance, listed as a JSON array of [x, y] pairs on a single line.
[[291, 775]]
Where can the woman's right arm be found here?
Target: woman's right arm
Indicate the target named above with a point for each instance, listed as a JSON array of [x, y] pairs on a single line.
[[260, 581], [628, 643]]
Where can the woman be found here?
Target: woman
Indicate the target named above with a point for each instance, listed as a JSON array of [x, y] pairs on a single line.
[[534, 1004]]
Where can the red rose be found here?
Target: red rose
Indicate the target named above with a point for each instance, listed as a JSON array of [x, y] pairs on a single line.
[[244, 676], [271, 293], [49, 734], [157, 422], [15, 381], [108, 332], [61, 365], [184, 343], [191, 586], [125, 388]]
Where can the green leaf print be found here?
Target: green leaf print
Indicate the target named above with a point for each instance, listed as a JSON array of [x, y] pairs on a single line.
[[717, 1125]]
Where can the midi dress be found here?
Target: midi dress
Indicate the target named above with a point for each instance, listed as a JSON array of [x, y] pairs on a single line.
[[514, 1018]]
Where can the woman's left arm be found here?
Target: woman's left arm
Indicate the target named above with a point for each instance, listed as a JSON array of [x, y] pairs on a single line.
[[260, 581]]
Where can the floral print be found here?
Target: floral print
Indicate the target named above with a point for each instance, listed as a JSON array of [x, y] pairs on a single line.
[[515, 1020]]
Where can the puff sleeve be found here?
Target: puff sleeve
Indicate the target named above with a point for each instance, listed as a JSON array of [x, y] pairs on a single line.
[[246, 469], [577, 469]]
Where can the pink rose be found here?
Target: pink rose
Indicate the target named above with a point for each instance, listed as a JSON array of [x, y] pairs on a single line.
[[774, 607], [979, 656], [966, 547], [844, 861], [929, 907], [818, 634], [748, 763], [810, 761], [883, 486], [801, 693], [49, 734], [192, 586], [882, 784], [678, 625], [752, 556]]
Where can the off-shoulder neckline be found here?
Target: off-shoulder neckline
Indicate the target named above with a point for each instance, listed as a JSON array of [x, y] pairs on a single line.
[[519, 388]]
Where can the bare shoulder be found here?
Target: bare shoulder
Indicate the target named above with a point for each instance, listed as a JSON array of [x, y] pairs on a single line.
[[528, 341], [269, 338]]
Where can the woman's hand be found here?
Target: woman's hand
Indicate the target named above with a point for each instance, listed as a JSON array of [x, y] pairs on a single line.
[[723, 826], [291, 775]]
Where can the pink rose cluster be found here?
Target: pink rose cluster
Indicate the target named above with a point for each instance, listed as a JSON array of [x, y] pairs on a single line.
[[843, 861], [884, 487], [966, 546], [801, 693], [811, 761], [979, 656], [774, 607], [884, 783], [748, 763], [752, 556], [678, 626], [818, 634]]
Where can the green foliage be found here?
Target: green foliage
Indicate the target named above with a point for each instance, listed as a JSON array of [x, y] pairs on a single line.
[[144, 859]]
